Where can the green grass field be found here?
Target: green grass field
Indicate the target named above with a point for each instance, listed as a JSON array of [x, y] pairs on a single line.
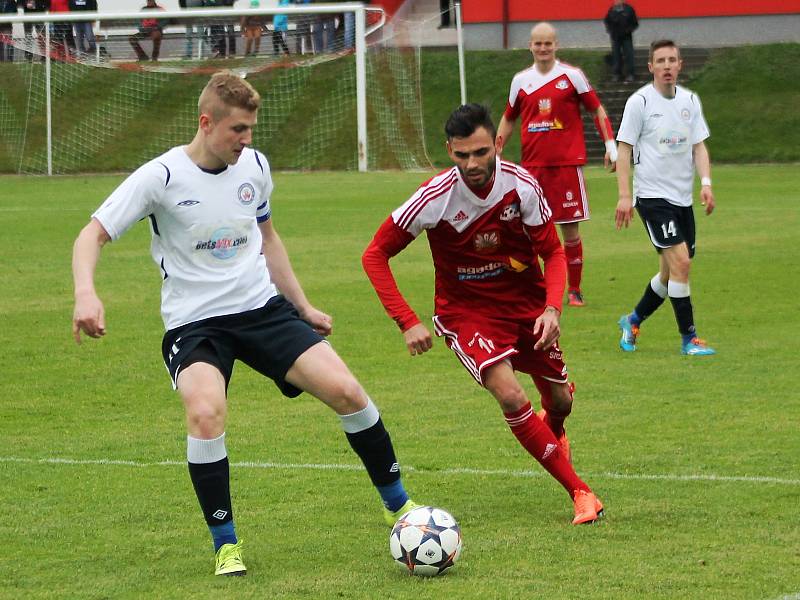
[[695, 459]]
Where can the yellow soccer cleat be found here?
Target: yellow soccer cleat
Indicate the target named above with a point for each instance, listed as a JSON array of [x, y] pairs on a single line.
[[229, 560], [391, 517]]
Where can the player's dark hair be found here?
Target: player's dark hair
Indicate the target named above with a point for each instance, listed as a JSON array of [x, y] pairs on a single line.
[[663, 44], [466, 119]]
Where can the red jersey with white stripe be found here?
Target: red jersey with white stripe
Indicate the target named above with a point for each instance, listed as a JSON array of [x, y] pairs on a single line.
[[485, 251], [551, 129]]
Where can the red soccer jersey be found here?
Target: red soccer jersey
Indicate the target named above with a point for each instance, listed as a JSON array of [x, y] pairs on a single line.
[[485, 252], [551, 129]]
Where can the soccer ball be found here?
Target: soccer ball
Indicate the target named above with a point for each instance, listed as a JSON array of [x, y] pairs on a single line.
[[425, 541]]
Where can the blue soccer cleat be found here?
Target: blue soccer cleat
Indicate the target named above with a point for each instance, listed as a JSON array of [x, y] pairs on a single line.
[[629, 334], [697, 347]]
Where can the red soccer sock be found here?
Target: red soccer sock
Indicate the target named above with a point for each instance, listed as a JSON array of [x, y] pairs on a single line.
[[574, 251], [540, 443]]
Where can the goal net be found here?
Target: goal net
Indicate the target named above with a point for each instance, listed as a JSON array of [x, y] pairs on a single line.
[[71, 102]]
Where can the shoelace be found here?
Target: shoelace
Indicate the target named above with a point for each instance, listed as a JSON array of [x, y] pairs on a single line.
[[231, 554]]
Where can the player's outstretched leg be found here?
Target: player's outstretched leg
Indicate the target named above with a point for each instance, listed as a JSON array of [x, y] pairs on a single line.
[[370, 440], [322, 373], [537, 438]]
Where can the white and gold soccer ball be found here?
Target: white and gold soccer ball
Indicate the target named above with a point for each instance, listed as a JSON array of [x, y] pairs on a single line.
[[425, 541]]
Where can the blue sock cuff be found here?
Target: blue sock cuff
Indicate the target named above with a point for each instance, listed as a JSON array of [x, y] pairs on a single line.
[[393, 495], [223, 534], [634, 318]]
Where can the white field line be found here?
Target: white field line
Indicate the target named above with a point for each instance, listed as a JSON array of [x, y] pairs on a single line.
[[455, 471]]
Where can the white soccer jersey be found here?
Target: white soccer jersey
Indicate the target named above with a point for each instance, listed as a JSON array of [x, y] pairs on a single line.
[[205, 236], [662, 132]]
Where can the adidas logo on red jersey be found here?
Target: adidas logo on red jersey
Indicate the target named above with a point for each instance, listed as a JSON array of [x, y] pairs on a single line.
[[461, 216]]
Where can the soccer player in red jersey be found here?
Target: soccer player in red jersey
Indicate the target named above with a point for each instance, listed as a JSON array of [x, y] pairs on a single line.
[[487, 225], [548, 97]]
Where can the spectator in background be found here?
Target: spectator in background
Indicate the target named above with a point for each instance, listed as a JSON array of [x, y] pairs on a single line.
[[6, 41], [149, 29], [620, 23], [302, 40], [83, 29], [444, 9], [194, 31], [62, 32], [252, 26], [350, 27], [34, 31], [280, 28], [223, 32], [324, 26]]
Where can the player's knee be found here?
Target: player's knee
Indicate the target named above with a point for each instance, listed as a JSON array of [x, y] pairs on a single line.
[[345, 395], [206, 419], [561, 399], [510, 398]]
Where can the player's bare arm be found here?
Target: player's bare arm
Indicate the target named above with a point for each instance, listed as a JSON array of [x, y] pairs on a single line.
[[284, 278], [702, 163], [504, 131], [624, 212], [89, 314]]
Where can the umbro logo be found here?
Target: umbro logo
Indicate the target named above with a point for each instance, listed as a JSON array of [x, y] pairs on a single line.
[[461, 216], [548, 450], [188, 203], [577, 214], [220, 514]]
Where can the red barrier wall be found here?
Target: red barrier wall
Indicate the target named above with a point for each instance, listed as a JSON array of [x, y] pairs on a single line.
[[390, 6], [482, 11]]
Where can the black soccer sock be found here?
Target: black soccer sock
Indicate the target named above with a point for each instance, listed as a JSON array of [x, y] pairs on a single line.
[[370, 440], [653, 297], [682, 305], [209, 470]]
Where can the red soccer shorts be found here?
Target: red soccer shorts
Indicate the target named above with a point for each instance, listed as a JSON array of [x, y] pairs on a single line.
[[565, 192], [481, 342]]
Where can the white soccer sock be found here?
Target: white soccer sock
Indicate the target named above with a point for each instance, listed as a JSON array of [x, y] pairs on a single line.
[[361, 420], [205, 451], [659, 288], [676, 289]]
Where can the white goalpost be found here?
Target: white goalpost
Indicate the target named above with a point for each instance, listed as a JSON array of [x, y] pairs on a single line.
[[335, 96]]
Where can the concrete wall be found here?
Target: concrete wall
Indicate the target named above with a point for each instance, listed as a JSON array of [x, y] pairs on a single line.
[[704, 32]]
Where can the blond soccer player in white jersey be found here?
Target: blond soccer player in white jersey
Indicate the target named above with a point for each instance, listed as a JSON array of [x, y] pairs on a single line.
[[222, 263], [664, 130]]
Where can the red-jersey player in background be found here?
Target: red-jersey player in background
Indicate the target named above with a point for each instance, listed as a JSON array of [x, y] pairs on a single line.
[[488, 225], [548, 97]]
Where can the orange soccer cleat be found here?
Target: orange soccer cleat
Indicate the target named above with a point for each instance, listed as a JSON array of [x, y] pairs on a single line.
[[587, 508]]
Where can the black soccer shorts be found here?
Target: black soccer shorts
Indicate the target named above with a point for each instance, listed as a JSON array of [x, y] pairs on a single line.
[[667, 224], [267, 339]]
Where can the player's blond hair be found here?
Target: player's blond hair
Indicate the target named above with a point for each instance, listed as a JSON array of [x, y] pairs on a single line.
[[224, 91]]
